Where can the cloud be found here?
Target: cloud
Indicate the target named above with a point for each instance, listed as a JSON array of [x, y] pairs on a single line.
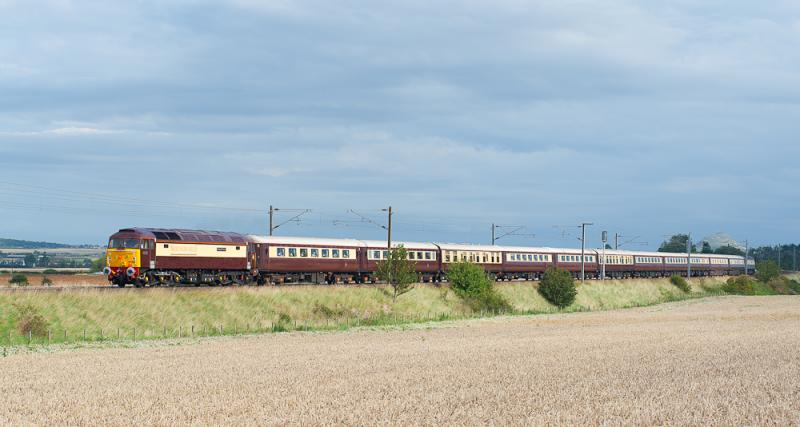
[[462, 112]]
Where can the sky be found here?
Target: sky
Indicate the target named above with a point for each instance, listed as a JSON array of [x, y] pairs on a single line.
[[644, 118]]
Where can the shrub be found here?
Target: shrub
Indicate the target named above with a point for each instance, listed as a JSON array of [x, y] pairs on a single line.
[[470, 282], [742, 285], [794, 286], [558, 287], [680, 283], [18, 279], [30, 320], [50, 271], [766, 271], [46, 281]]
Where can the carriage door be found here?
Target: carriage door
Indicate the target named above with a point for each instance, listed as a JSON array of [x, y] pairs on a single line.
[[148, 250]]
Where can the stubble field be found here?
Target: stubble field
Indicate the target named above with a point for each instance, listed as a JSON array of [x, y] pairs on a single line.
[[724, 360]]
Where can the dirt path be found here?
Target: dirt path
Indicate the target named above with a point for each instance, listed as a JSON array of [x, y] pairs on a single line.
[[731, 360]]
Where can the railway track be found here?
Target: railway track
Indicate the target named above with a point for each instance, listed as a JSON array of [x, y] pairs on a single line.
[[110, 288]]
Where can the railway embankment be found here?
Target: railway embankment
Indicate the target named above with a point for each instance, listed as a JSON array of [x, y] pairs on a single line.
[[91, 315]]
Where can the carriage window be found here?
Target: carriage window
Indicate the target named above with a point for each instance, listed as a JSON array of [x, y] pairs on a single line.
[[335, 253], [238, 248], [292, 252], [281, 251], [303, 252], [166, 245], [315, 253], [345, 253], [411, 255], [386, 254], [376, 254], [427, 255], [419, 255], [446, 257], [325, 253]]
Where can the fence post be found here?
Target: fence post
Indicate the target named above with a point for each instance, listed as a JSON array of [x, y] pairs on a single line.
[[192, 330]]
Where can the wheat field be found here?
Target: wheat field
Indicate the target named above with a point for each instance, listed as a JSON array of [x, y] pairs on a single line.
[[724, 361]]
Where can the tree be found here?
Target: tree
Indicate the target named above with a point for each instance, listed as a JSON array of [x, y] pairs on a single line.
[[608, 246], [706, 248], [558, 287], [30, 260], [397, 271], [18, 279], [676, 244], [766, 271], [729, 250]]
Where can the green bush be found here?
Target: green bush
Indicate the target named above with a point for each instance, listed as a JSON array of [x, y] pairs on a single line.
[[46, 281], [783, 286], [766, 271], [470, 282], [680, 283], [794, 286], [745, 285], [18, 279], [558, 287], [29, 320]]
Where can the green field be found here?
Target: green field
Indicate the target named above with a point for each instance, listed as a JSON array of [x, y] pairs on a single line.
[[167, 313]]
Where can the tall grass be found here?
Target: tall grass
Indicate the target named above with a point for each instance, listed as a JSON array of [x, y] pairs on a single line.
[[163, 313]]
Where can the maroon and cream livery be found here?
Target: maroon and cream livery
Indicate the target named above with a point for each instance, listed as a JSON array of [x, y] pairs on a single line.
[[152, 256]]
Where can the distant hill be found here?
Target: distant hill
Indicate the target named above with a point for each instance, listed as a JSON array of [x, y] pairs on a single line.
[[27, 244]]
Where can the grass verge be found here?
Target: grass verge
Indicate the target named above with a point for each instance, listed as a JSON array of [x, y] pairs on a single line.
[[92, 316]]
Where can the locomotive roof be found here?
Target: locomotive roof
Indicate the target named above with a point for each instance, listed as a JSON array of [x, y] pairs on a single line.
[[179, 234]]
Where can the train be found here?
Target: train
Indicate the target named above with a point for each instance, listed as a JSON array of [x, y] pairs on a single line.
[[168, 257]]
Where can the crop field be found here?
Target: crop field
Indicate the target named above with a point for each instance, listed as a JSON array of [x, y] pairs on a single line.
[[724, 360]]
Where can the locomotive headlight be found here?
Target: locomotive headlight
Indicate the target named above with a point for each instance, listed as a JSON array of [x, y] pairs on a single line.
[[107, 271], [130, 271]]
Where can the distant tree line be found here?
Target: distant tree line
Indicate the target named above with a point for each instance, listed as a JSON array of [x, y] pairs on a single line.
[[784, 256]]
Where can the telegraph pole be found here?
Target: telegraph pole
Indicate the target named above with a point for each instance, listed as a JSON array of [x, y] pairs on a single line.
[[270, 220], [603, 264], [689, 255], [493, 239], [779, 258], [583, 249], [746, 253], [389, 230], [616, 241], [794, 256]]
